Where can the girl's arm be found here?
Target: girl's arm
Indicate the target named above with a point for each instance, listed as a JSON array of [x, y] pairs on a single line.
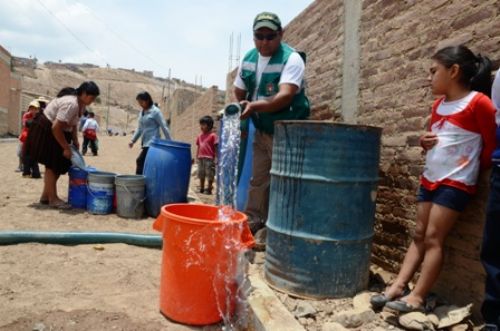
[[485, 116], [57, 131], [161, 122], [429, 139], [137, 132]]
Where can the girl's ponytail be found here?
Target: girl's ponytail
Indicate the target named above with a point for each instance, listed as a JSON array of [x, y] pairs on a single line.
[[475, 71], [481, 81]]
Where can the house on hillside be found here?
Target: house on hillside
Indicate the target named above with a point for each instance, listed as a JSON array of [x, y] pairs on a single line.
[[10, 91]]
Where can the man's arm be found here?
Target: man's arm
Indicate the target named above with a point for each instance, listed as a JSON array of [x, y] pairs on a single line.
[[240, 94]]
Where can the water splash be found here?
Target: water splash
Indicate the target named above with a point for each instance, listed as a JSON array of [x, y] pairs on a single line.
[[235, 280], [227, 171]]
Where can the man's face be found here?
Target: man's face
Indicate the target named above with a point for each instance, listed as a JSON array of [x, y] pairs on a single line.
[[267, 41]]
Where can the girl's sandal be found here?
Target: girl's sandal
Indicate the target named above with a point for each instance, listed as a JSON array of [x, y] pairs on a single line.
[[378, 301], [404, 307]]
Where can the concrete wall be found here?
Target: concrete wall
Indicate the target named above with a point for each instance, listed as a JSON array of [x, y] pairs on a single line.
[[369, 65], [185, 124]]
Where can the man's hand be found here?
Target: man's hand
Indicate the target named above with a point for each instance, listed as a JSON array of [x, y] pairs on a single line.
[[248, 109], [130, 144], [428, 140]]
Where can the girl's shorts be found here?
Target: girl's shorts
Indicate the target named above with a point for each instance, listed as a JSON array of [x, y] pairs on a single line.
[[446, 196]]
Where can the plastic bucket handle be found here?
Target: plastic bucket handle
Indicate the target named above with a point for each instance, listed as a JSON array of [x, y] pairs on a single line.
[[137, 201]]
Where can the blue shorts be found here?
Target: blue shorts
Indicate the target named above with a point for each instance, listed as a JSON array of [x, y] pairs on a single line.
[[446, 196]]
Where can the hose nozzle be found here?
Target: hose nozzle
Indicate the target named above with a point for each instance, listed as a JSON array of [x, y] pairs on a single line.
[[233, 108]]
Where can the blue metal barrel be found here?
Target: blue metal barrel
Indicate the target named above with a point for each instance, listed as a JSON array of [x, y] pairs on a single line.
[[167, 170], [322, 206]]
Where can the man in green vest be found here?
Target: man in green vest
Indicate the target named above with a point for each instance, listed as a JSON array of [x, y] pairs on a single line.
[[270, 85]]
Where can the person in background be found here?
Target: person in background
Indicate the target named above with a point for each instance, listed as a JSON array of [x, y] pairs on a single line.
[[206, 143], [52, 133], [150, 122], [30, 168], [82, 121], [90, 129], [270, 84], [43, 102], [459, 143], [19, 153], [490, 249]]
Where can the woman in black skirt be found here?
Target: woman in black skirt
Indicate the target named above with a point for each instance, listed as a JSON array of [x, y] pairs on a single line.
[[52, 133]]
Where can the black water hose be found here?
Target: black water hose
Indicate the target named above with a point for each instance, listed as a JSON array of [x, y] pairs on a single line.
[[80, 238]]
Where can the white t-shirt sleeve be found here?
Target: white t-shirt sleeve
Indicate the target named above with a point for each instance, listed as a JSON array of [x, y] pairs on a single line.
[[238, 82], [293, 72]]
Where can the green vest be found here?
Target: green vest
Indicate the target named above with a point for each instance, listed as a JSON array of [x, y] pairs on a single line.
[[268, 87]]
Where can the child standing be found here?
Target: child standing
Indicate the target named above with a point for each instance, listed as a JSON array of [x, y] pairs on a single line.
[[206, 153], [90, 129], [490, 248], [460, 142], [30, 167]]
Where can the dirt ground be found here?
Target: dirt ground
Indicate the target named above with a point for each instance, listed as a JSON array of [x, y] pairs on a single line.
[[52, 287], [98, 287]]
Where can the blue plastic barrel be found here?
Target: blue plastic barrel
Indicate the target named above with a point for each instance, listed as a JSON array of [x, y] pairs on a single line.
[[322, 207], [77, 188], [246, 170], [167, 170]]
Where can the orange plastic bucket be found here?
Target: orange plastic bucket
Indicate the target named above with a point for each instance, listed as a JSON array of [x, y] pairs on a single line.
[[198, 277]]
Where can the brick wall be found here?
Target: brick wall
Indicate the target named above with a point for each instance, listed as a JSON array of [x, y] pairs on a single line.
[[319, 31], [182, 99], [5, 73], [10, 86], [397, 39], [185, 124]]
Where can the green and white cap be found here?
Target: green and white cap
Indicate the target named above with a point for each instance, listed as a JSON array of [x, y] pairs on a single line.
[[267, 20]]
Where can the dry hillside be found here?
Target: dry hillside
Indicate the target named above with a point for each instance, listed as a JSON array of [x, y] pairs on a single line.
[[121, 84]]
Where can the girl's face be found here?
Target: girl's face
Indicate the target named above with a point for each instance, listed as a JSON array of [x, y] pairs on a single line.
[[143, 104], [204, 127], [33, 110], [441, 77]]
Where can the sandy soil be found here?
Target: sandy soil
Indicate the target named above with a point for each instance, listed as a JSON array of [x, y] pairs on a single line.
[[75, 287]]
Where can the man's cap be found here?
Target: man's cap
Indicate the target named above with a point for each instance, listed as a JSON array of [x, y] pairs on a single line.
[[34, 103], [267, 20]]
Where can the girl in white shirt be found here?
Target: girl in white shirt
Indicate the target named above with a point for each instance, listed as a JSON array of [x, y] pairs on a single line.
[[459, 143]]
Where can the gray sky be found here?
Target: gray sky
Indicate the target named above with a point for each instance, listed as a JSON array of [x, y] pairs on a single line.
[[190, 36]]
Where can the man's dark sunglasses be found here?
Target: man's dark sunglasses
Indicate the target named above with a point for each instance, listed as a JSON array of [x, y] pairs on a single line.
[[262, 36]]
